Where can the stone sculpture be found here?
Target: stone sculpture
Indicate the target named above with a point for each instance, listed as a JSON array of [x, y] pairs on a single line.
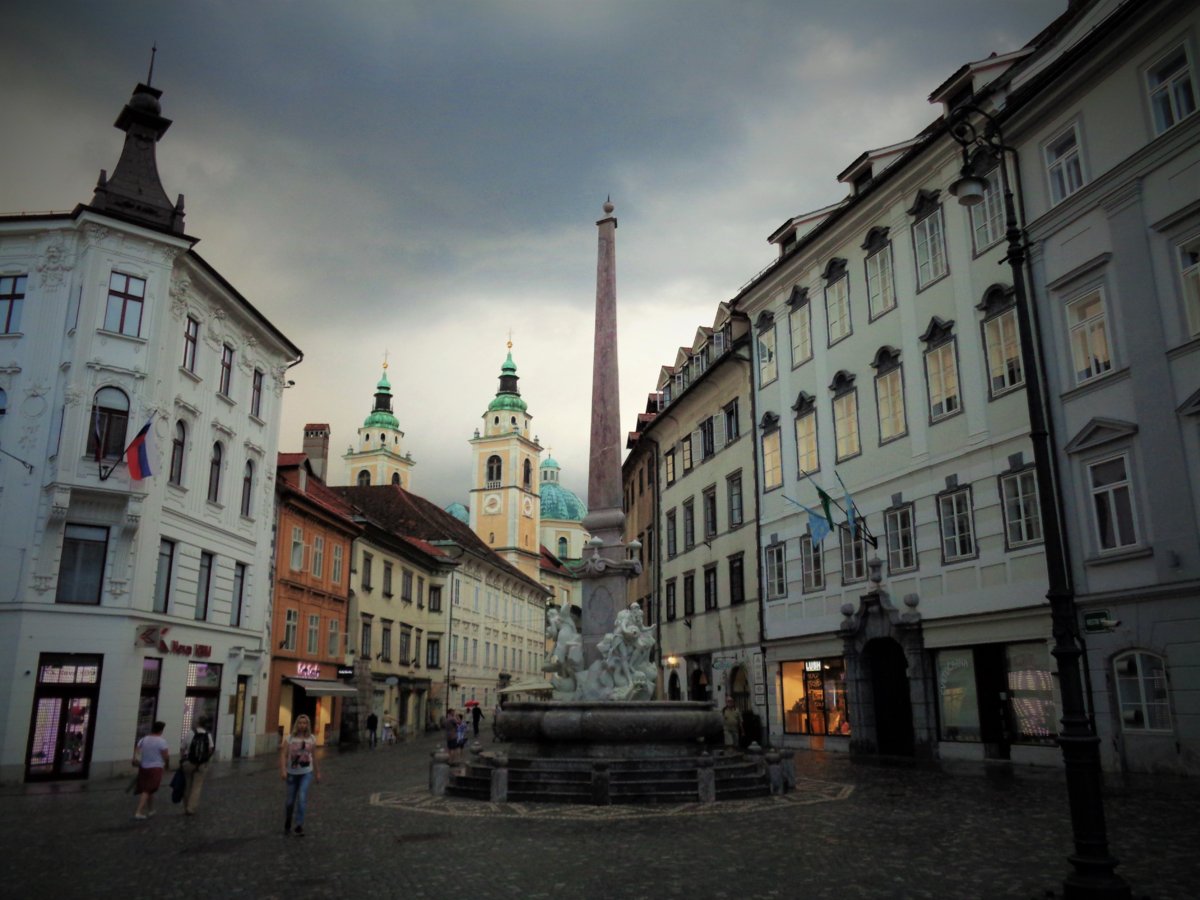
[[624, 671]]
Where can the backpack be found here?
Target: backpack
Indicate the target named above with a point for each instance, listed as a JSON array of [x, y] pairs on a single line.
[[200, 749]]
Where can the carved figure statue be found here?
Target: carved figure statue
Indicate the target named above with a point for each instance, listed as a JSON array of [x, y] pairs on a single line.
[[623, 672], [566, 660]]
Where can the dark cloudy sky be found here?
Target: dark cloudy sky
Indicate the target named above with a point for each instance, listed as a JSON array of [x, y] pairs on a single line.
[[421, 177]]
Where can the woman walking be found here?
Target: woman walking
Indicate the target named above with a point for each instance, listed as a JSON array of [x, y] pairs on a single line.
[[298, 767]]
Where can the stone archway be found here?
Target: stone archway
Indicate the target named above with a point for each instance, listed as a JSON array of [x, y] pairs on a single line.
[[888, 684]]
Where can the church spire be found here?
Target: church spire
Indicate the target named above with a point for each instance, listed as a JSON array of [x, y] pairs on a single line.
[[135, 191], [508, 396]]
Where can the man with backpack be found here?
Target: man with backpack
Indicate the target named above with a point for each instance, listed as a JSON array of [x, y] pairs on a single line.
[[196, 755]]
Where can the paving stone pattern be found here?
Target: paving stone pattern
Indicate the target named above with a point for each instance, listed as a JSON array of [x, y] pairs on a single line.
[[852, 830]]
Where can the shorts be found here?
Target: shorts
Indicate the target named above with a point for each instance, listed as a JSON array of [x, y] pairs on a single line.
[[451, 743], [148, 780]]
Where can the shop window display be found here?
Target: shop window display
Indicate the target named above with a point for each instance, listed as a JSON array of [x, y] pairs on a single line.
[[958, 706], [814, 697], [202, 698]]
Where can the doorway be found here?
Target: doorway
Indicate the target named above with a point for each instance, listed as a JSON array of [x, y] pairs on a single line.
[[673, 692], [893, 706], [64, 715], [991, 687]]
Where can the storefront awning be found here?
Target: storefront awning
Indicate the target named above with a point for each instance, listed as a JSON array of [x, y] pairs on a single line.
[[316, 688]]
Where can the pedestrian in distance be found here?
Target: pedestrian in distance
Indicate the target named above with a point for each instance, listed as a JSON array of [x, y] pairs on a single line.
[[450, 729], [152, 756], [460, 735], [195, 756], [372, 728], [476, 717], [731, 717], [298, 767]]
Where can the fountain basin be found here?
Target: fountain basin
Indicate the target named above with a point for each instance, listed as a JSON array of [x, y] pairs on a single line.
[[646, 729]]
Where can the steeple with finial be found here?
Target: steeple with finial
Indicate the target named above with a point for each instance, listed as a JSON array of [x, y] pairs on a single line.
[[379, 457], [135, 191]]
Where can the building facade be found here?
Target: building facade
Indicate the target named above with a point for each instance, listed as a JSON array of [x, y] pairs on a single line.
[[128, 600]]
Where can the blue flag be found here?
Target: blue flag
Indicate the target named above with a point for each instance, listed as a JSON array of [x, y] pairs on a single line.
[[851, 509], [818, 526]]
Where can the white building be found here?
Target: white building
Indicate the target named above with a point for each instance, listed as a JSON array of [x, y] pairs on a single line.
[[126, 601]]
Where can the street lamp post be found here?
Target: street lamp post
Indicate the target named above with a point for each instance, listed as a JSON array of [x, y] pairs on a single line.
[[1094, 872]]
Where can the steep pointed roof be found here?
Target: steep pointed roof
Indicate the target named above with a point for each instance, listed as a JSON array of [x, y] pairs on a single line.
[[508, 397], [382, 415]]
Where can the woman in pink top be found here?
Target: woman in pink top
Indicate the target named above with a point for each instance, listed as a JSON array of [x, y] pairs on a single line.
[[298, 766], [151, 757]]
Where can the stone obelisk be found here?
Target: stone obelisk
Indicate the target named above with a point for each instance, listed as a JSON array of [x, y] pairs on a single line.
[[605, 568]]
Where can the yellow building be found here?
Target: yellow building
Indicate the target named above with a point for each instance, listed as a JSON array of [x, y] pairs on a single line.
[[380, 457]]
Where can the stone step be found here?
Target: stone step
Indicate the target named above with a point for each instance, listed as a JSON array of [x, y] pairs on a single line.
[[743, 792]]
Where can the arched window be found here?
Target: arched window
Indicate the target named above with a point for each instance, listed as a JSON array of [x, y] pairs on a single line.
[[383, 440], [175, 476], [247, 487], [491, 537], [494, 468], [528, 474], [108, 422], [396, 478], [1142, 691], [214, 473], [562, 548], [364, 478]]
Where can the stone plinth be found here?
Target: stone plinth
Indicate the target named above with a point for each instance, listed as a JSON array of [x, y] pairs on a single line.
[[607, 729]]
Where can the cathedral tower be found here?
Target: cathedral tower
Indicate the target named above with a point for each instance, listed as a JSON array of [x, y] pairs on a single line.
[[380, 458], [505, 509]]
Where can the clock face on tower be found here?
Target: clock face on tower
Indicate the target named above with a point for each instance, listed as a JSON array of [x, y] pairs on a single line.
[[491, 504], [527, 506]]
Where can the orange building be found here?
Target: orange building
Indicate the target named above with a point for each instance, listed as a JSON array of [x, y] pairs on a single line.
[[312, 585]]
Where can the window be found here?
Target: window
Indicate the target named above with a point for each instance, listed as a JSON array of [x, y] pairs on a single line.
[[930, 244], [987, 216], [297, 561], [854, 555], [1022, 511], [1063, 166], [365, 648], [318, 556], [365, 578], [767, 365], [772, 463], [433, 653], [1189, 264], [178, 443], [737, 580], [669, 465], [12, 298], [889, 395], [81, 570], [1090, 348], [672, 549], [203, 585], [776, 572], [256, 394], [734, 487], [148, 699], [901, 539], [958, 538], [845, 423], [710, 588], [732, 429], [941, 374], [685, 452], [807, 459], [312, 645], [689, 525], [247, 487], [1142, 692], [238, 595], [406, 586], [336, 576], [708, 444], [110, 419], [527, 476], [800, 325], [226, 370], [689, 595], [162, 580], [214, 473], [710, 512], [671, 600], [364, 478], [1112, 503], [812, 568], [1003, 343], [387, 579], [435, 598], [191, 335], [291, 625], [881, 290], [814, 697], [126, 295], [333, 645], [563, 548], [837, 308], [1172, 94], [494, 471]]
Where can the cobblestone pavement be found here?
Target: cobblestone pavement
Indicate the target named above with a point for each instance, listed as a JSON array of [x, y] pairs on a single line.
[[852, 830]]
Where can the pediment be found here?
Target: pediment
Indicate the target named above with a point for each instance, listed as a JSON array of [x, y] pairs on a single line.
[[1098, 432]]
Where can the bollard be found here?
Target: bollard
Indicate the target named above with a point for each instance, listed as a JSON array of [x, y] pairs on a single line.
[[439, 772], [789, 768], [775, 772], [600, 784], [476, 748], [755, 753], [706, 779], [499, 792]]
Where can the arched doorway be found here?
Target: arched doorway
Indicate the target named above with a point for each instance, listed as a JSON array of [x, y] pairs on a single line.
[[739, 690], [673, 691], [893, 706], [698, 689]]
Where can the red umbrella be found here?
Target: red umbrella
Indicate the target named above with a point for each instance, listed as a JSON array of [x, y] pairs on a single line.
[[471, 703]]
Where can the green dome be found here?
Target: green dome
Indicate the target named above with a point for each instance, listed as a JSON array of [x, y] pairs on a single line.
[[549, 463], [381, 419], [459, 512], [381, 416], [507, 401], [508, 397], [560, 503]]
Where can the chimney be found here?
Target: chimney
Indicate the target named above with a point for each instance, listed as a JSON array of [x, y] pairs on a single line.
[[316, 447]]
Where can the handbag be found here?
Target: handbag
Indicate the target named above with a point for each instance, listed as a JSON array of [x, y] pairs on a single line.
[[178, 785]]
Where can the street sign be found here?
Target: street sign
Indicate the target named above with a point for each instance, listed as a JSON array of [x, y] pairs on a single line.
[[1097, 621]]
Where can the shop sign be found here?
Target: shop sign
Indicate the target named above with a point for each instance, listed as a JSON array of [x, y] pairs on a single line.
[[308, 670], [345, 671], [719, 664], [154, 637], [812, 665]]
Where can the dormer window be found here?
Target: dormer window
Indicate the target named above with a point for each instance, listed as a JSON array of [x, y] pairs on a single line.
[[861, 180]]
